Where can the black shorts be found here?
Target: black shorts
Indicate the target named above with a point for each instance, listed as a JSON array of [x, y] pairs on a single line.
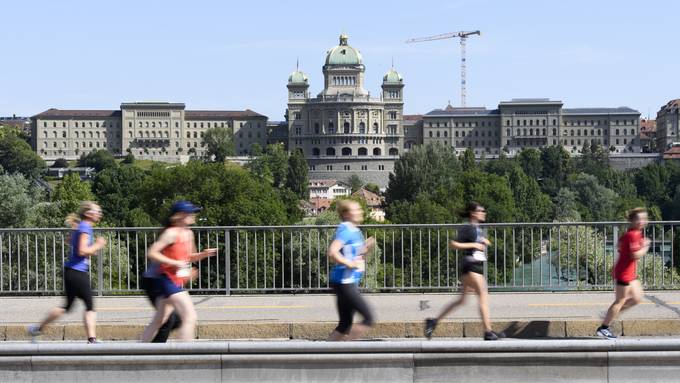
[[472, 267], [622, 283], [77, 285]]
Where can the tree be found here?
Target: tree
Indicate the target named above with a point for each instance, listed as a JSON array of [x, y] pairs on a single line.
[[530, 161], [557, 166], [17, 198], [566, 207], [355, 183], [129, 159], [373, 188], [599, 203], [297, 179], [60, 163], [424, 168], [219, 143], [118, 191], [71, 192], [271, 166], [16, 156], [99, 160], [467, 159]]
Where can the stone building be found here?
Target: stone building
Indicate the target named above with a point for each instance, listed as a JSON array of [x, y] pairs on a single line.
[[667, 129], [159, 131], [532, 123], [343, 130]]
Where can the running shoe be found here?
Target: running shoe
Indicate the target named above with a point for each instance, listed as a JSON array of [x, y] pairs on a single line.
[[490, 335], [430, 324], [93, 341], [34, 332], [605, 332]]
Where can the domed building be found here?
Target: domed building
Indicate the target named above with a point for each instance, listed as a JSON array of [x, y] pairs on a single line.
[[344, 130]]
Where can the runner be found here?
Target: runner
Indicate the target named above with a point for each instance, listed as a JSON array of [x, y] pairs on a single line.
[[472, 241], [632, 246], [76, 269], [348, 250], [155, 294], [175, 251]]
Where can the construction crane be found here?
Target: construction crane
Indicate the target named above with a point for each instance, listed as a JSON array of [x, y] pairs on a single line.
[[463, 37]]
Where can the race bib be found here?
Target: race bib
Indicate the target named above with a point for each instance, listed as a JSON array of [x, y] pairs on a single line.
[[479, 255]]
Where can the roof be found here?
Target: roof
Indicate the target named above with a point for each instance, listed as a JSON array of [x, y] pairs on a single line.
[[619, 110], [371, 198], [320, 203], [531, 101], [209, 114], [298, 77], [647, 125], [412, 117], [325, 183], [343, 54], [58, 113], [672, 153], [467, 111], [392, 77]]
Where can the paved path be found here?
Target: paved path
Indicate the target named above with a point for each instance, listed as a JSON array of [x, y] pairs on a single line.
[[321, 307]]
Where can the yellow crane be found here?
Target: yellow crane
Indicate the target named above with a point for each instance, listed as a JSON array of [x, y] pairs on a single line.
[[463, 37]]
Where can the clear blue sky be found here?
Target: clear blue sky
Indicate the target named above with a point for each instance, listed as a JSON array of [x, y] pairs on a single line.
[[238, 54]]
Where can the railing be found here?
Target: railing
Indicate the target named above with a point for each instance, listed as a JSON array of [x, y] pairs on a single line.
[[522, 256]]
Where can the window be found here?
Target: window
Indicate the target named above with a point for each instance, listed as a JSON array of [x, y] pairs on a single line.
[[316, 151], [364, 167], [393, 152], [377, 152], [362, 128], [381, 167], [346, 167], [346, 127], [346, 151], [330, 151], [316, 128], [362, 152]]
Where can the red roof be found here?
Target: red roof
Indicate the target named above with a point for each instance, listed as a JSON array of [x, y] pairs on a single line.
[[672, 153], [210, 114], [320, 203], [647, 125], [412, 117], [52, 112], [371, 198]]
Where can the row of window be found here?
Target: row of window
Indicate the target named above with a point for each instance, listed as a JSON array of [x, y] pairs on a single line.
[[344, 80], [83, 124], [360, 151], [464, 124], [347, 168]]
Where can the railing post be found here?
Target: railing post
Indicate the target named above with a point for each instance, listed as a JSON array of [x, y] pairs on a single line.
[[227, 262], [100, 273]]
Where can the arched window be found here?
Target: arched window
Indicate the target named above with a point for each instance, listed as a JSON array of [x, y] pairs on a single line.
[[346, 127], [330, 151], [316, 128], [394, 152], [346, 151], [375, 127], [362, 127], [316, 151], [377, 152], [331, 127], [531, 132], [362, 152], [544, 131], [554, 132]]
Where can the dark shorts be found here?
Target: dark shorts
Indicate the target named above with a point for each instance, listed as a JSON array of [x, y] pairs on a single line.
[[165, 287], [349, 301], [623, 283], [77, 285], [472, 267]]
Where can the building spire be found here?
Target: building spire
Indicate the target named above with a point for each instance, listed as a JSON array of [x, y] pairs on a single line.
[[297, 64]]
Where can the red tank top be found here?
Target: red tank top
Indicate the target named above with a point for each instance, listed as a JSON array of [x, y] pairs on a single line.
[[179, 250]]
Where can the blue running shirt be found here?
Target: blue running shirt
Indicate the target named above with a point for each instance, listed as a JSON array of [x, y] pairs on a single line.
[[75, 261], [352, 244]]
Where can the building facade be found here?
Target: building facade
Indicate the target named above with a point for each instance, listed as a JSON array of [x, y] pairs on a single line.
[[159, 131], [667, 129], [343, 130], [532, 123]]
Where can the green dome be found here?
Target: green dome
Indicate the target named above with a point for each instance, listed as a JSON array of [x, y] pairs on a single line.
[[297, 77], [392, 77], [343, 54]]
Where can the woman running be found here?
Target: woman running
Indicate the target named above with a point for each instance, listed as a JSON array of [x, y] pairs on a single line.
[[155, 294], [175, 251], [77, 267], [472, 241], [632, 246], [347, 251]]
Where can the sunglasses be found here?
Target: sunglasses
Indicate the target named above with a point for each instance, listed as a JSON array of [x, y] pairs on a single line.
[[480, 211]]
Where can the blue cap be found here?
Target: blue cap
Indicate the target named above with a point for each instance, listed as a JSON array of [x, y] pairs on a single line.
[[184, 207]]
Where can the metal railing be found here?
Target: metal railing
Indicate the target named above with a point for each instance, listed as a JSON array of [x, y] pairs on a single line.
[[522, 256]]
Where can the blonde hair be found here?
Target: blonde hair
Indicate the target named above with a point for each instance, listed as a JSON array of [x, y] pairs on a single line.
[[633, 214], [85, 206], [343, 206], [72, 220]]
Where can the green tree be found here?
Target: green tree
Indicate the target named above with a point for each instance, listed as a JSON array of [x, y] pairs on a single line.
[[557, 166], [16, 156], [17, 198], [373, 188], [99, 160], [530, 161], [599, 203], [71, 192], [60, 163], [219, 143], [118, 191], [297, 179], [468, 160], [355, 183], [566, 206]]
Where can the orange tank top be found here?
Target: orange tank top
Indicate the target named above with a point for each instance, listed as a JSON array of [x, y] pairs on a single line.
[[179, 250]]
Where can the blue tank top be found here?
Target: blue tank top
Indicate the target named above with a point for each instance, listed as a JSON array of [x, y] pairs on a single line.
[[75, 261]]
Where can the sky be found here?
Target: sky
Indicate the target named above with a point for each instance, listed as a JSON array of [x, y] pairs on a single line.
[[235, 55]]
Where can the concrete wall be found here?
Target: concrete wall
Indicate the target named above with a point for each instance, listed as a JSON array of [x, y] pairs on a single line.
[[630, 360]]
